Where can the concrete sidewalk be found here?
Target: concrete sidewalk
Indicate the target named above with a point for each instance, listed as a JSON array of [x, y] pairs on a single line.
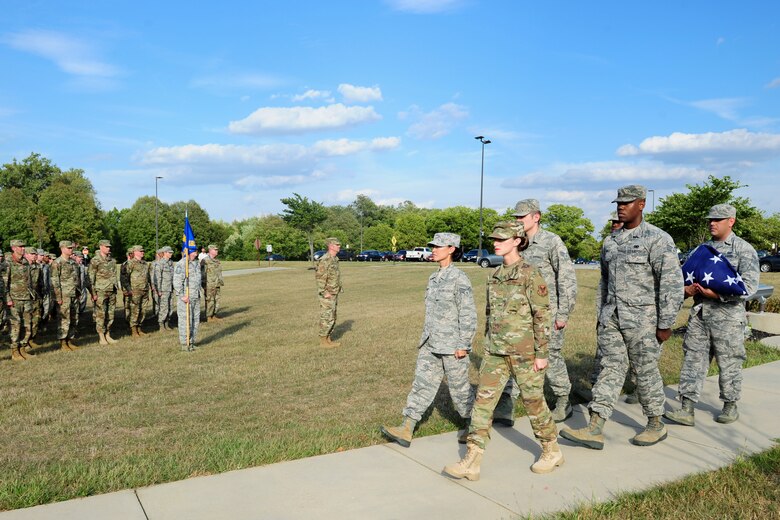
[[388, 481]]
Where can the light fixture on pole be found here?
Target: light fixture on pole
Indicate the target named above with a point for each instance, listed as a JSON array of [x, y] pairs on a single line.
[[156, 225], [653, 192], [481, 183]]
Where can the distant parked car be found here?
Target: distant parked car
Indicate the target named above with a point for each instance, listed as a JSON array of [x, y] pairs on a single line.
[[275, 257], [343, 254], [400, 256], [769, 263], [418, 254], [471, 255], [387, 255], [762, 253], [490, 260], [581, 261], [317, 254], [369, 255]]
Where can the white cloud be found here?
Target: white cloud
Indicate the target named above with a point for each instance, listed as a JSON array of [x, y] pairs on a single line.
[[335, 147], [436, 123], [350, 195], [586, 175], [354, 94], [241, 81], [70, 54], [425, 6], [774, 83], [224, 154], [278, 120], [312, 94], [725, 108], [738, 144]]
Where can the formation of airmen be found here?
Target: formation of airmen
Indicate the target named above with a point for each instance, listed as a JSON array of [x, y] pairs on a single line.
[[38, 288]]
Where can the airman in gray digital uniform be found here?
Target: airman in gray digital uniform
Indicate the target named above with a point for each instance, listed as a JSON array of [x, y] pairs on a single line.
[[162, 285], [547, 252], [637, 300], [445, 343], [183, 278], [717, 323]]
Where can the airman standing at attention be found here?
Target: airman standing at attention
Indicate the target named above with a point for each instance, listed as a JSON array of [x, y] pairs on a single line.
[[18, 299], [137, 273], [181, 282], [3, 308], [83, 294], [103, 286], [124, 282], [36, 282], [162, 280], [211, 277], [638, 297], [65, 286], [153, 284], [547, 252], [328, 277]]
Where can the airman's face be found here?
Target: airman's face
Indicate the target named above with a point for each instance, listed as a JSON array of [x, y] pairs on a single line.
[[138, 255], [720, 228], [630, 211], [441, 252], [505, 246]]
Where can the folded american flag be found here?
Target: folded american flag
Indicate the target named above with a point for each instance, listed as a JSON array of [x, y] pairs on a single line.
[[710, 269]]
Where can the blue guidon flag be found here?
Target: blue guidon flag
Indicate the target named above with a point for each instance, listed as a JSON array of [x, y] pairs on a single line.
[[710, 269], [188, 237]]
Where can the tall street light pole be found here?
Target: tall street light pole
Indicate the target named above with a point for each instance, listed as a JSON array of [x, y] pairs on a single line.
[[481, 184], [653, 192], [156, 225]]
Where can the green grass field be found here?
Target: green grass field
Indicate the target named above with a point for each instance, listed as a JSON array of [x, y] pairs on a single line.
[[259, 391]]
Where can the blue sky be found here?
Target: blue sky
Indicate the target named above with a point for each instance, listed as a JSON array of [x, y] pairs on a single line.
[[238, 104]]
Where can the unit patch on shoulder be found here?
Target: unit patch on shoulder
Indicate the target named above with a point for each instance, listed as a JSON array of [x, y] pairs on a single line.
[[542, 290]]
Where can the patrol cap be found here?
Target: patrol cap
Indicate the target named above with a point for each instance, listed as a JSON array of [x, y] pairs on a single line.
[[137, 248], [613, 217], [78, 254], [332, 240], [507, 229], [41, 252], [106, 243], [721, 211], [129, 250], [30, 251], [17, 243], [66, 243], [166, 249], [631, 193], [445, 239], [526, 206], [214, 247]]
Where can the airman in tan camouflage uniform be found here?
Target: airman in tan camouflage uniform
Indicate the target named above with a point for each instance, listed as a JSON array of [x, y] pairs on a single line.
[[137, 279], [65, 286], [328, 277], [19, 298], [516, 339], [36, 282], [211, 278], [638, 298], [103, 287]]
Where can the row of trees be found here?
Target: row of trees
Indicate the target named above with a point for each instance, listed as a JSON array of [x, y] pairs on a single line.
[[42, 204]]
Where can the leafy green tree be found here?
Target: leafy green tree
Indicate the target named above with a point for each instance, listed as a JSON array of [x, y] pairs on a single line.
[[411, 230], [378, 237], [569, 223], [71, 209], [342, 223], [284, 239], [304, 215], [17, 212], [33, 175]]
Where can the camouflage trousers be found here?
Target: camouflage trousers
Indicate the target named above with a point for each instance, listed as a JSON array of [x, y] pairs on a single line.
[[37, 313], [164, 311], [137, 302], [46, 306], [493, 376], [212, 301], [328, 314], [68, 312], [103, 311], [431, 369], [155, 303], [20, 317], [83, 297], [594, 373], [618, 346], [726, 337], [194, 320]]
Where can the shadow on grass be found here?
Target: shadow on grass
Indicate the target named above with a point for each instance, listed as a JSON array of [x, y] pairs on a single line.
[[341, 329], [233, 311], [223, 333]]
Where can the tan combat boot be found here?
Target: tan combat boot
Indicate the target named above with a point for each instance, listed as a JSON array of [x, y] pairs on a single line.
[[32, 344], [71, 344], [102, 338], [550, 458], [139, 331], [134, 332], [468, 467], [400, 434], [333, 344], [16, 354], [326, 343], [654, 432], [592, 436], [109, 338], [64, 345]]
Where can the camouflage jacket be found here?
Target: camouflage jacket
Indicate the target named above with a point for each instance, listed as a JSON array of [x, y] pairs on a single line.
[[36, 280], [136, 276], [328, 275], [64, 278], [45, 279], [640, 278], [211, 273], [102, 274], [17, 281], [180, 281], [744, 259], [547, 251], [162, 275], [518, 317], [450, 313]]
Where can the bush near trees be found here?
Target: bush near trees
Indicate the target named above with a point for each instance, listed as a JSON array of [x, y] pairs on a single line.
[[42, 204]]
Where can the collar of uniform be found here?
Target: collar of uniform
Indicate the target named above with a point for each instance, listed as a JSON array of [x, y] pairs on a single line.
[[505, 272]]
